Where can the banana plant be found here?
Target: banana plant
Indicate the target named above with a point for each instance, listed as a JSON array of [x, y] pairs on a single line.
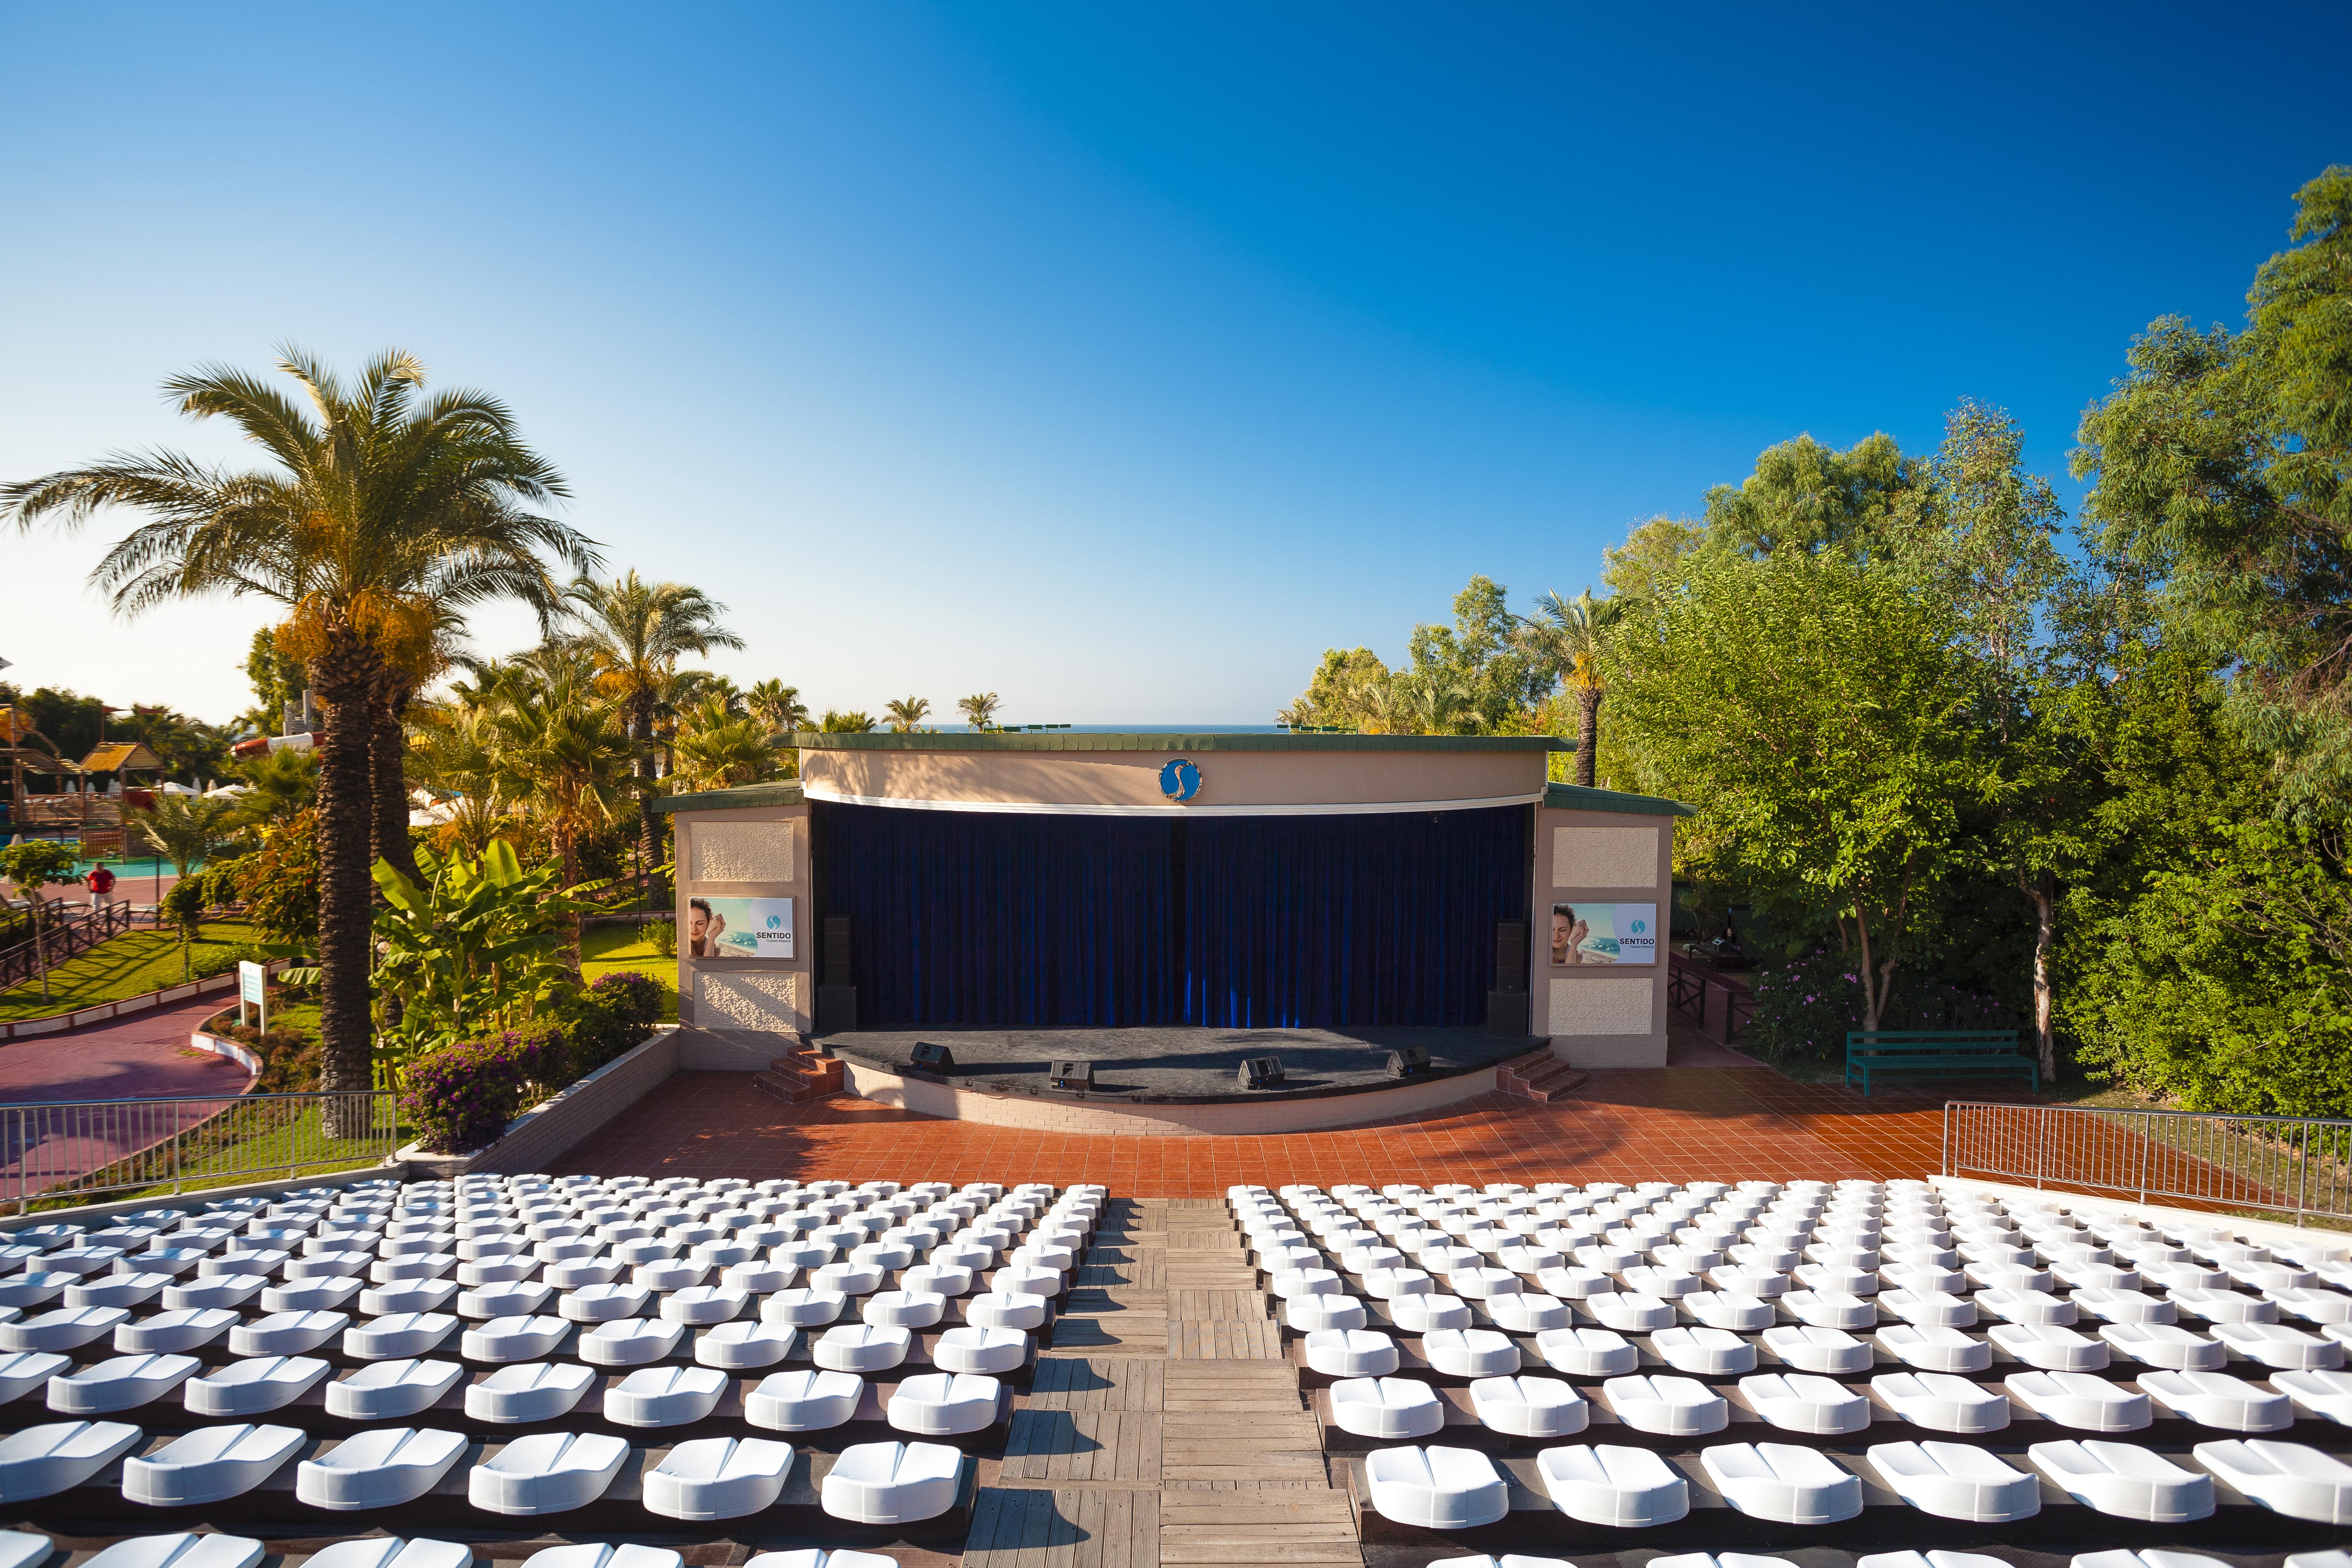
[[476, 947]]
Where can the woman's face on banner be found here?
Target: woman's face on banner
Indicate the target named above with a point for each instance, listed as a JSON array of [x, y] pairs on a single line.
[[697, 926], [1560, 931]]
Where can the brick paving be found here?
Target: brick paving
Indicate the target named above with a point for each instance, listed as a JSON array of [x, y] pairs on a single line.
[[142, 1056], [1722, 1123]]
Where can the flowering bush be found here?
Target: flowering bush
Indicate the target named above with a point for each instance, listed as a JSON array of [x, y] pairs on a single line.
[[599, 1024], [637, 998], [461, 1097], [1804, 1007]]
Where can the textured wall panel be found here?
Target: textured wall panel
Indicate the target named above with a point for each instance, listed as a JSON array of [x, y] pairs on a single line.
[[1601, 1006], [765, 999], [742, 851], [1604, 856]]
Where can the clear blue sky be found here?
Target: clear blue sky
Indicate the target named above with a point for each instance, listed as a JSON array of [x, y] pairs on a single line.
[[1118, 359]]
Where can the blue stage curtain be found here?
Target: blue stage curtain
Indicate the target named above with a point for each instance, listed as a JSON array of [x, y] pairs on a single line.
[[1349, 922], [1001, 920]]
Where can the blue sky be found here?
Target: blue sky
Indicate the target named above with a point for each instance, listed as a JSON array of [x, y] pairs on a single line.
[[1115, 358]]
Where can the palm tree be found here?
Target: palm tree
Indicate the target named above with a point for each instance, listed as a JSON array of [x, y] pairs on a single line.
[[564, 755], [906, 713], [1571, 635], [185, 828], [635, 632], [778, 706], [454, 751], [714, 750], [278, 786], [856, 721], [1435, 702], [979, 709], [383, 511]]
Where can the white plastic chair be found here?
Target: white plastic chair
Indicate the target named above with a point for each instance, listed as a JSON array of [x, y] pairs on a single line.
[[1782, 1482], [1436, 1487], [2124, 1480], [1390, 1409], [179, 1550], [1704, 1352], [976, 1350], [390, 1552], [718, 1478], [392, 1390], [1827, 1351], [1957, 1480], [119, 1383], [1941, 1402], [1804, 1402], [892, 1483], [1470, 1353], [944, 1405], [1312, 1314], [2166, 1345], [40, 1461], [2216, 1399], [1530, 1407], [1351, 1353], [804, 1401], [1934, 1349], [1428, 1312], [2272, 1344], [209, 1465], [1626, 1489], [2077, 1399], [803, 1306], [1671, 1406], [2292, 1478], [546, 1472], [664, 1396], [378, 1469], [539, 1391]]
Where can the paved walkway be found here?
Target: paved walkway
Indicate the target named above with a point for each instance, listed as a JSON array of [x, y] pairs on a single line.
[[143, 1055], [1725, 1123]]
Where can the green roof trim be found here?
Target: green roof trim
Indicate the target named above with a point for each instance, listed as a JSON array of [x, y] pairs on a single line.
[[1578, 797], [776, 792], [1072, 740]]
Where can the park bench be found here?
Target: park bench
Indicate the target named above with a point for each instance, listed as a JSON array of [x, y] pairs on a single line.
[[1936, 1053]]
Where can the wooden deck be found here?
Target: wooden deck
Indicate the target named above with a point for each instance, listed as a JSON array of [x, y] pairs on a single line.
[[1166, 1426]]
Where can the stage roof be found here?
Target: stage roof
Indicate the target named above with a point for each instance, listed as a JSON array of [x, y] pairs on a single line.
[[1572, 797], [1078, 741], [1583, 797]]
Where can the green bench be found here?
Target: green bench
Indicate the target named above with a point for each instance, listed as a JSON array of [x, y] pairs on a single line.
[[1936, 1053]]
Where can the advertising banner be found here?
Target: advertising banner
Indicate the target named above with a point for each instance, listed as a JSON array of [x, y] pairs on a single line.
[[738, 928], [1604, 933]]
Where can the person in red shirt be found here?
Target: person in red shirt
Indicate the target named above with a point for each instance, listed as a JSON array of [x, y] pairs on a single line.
[[101, 885]]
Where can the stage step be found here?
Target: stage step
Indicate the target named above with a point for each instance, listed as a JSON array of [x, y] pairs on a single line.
[[1539, 1075], [800, 1076]]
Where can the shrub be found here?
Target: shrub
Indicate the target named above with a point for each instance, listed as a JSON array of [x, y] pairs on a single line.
[[665, 935], [1804, 1007], [462, 1097], [638, 997], [598, 1025], [280, 883], [224, 960], [290, 1058]]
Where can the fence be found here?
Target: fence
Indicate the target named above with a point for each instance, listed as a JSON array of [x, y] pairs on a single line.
[[84, 1150], [2284, 1165], [61, 938]]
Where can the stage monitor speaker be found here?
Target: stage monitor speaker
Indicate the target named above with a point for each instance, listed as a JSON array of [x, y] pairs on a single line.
[[1409, 1061], [932, 1057], [1510, 955], [836, 1009], [838, 962], [1259, 1072], [1072, 1075], [1507, 1012]]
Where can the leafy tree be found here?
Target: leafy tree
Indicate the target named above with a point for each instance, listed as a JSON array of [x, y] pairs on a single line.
[[68, 720], [564, 756], [853, 722], [1571, 635], [906, 713], [1825, 725], [635, 633], [1479, 656], [2223, 463], [32, 866], [1334, 698], [183, 906], [279, 784], [778, 706], [1808, 496], [184, 828], [282, 883], [1647, 563], [380, 514], [979, 709], [278, 681]]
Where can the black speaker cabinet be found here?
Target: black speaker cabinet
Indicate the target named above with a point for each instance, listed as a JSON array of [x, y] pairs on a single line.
[[1072, 1075], [1507, 1012], [1261, 1072], [1510, 955], [1409, 1061], [836, 1009], [932, 1057], [838, 964]]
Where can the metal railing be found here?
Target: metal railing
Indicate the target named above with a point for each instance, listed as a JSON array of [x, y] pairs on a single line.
[[62, 936], [81, 1150], [2284, 1164]]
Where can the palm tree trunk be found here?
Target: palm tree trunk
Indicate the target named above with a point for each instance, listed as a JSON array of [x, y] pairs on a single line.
[[1588, 733], [343, 679], [388, 779], [641, 765]]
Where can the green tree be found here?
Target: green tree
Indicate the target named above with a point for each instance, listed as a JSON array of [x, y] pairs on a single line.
[[2223, 463], [906, 713], [778, 706], [383, 512], [853, 722], [714, 750], [185, 828], [1571, 635], [979, 709], [1825, 725], [278, 682], [278, 785], [565, 757], [1650, 559], [1808, 496], [282, 884], [635, 633], [30, 866], [1479, 655], [1334, 698]]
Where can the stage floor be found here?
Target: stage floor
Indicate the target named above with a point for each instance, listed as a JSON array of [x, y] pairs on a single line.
[[1168, 1063]]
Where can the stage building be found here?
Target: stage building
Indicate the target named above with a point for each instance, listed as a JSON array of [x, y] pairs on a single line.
[[1165, 907]]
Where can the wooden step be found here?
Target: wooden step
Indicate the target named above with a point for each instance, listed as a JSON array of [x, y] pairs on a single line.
[[800, 1078]]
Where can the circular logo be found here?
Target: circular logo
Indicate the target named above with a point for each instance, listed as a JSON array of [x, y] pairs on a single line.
[[1640, 926], [1179, 779]]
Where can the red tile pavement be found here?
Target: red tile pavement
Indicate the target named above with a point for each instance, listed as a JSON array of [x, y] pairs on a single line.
[[1726, 1123], [142, 1056]]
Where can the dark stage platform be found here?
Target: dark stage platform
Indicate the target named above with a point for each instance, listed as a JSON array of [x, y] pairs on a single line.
[[1165, 1064]]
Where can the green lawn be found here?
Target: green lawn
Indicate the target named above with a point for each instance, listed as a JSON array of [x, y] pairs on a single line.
[[604, 949], [128, 966], [250, 1144]]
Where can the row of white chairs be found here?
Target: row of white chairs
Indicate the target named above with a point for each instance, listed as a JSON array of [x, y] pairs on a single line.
[[187, 1549], [539, 1473], [2153, 1558], [1443, 1488]]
